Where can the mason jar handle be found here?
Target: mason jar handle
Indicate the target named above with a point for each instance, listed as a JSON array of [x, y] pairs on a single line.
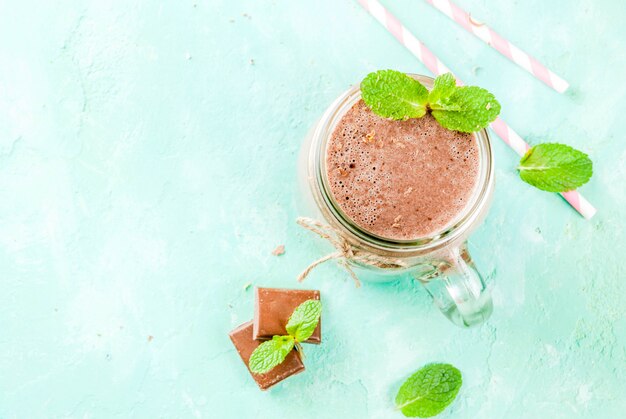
[[458, 288]]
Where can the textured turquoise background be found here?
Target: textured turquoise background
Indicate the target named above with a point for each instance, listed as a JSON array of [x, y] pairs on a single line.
[[147, 160]]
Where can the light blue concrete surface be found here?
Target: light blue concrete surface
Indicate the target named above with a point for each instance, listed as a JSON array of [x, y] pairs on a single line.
[[147, 160]]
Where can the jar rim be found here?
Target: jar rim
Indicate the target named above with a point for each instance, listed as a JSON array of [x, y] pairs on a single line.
[[339, 220]]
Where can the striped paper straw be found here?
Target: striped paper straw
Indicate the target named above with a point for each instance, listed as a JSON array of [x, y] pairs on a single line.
[[503, 46], [422, 53]]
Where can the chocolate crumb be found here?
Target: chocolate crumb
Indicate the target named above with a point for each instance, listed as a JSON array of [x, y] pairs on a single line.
[[398, 143], [150, 337], [342, 173], [279, 250]]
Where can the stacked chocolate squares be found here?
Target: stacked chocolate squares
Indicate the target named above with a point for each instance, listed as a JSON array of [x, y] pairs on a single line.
[[272, 309]]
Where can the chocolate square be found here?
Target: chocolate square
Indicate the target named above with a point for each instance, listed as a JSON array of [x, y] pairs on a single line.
[[274, 306], [242, 339]]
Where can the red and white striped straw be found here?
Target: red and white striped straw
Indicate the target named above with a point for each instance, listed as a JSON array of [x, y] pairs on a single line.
[[502, 45], [422, 53]]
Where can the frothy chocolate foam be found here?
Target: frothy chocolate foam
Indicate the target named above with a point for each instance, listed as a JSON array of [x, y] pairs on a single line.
[[400, 180]]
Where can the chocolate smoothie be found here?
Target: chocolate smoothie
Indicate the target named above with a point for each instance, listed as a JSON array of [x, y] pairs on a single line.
[[400, 180]]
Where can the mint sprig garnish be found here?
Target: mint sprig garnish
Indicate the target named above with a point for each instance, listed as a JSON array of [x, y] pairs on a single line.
[[555, 167], [300, 327], [429, 391], [393, 94]]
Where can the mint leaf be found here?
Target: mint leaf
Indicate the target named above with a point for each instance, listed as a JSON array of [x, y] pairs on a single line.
[[429, 391], [555, 167], [468, 109], [392, 94], [304, 320], [443, 87], [269, 354]]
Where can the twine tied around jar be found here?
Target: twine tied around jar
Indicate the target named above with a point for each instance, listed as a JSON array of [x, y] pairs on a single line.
[[346, 252]]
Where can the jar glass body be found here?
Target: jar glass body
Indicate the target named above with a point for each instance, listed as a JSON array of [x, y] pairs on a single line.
[[441, 262]]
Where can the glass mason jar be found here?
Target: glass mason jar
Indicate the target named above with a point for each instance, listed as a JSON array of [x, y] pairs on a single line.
[[441, 263]]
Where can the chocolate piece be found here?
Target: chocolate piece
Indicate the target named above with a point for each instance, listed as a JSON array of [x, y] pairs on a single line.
[[242, 339], [274, 306]]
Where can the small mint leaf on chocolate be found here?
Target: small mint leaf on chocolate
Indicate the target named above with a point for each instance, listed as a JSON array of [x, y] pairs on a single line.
[[555, 167], [304, 320], [393, 94], [271, 353], [429, 391]]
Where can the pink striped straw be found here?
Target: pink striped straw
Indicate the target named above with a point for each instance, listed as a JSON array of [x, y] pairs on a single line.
[[422, 53], [503, 46]]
